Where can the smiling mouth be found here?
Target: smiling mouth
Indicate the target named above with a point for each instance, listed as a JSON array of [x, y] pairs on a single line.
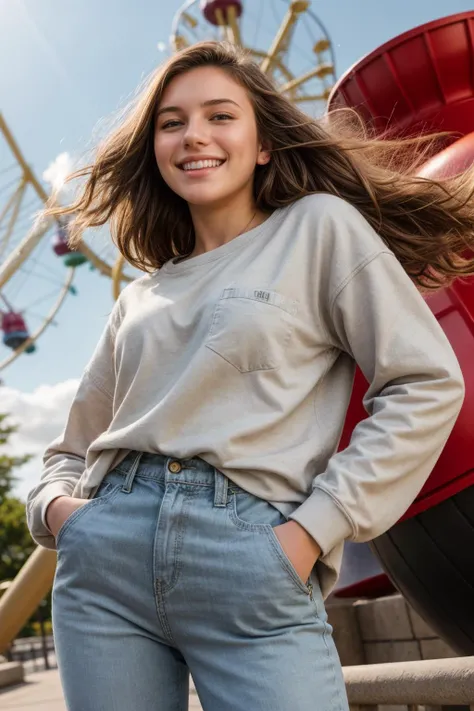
[[200, 164]]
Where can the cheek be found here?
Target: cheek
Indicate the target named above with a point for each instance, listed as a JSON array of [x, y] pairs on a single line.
[[244, 146], [162, 154]]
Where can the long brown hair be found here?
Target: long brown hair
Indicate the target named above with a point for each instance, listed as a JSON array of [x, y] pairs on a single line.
[[428, 224]]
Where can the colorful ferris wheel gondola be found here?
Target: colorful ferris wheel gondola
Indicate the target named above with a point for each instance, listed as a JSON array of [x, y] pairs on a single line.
[[14, 329], [61, 248], [222, 12]]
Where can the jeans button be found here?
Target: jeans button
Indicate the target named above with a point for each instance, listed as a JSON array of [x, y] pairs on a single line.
[[174, 467]]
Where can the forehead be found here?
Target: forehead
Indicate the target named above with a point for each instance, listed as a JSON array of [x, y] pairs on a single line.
[[203, 84]]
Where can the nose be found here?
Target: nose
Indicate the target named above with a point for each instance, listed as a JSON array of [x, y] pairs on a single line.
[[195, 134]]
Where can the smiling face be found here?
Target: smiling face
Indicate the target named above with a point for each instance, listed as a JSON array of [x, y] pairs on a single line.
[[206, 141]]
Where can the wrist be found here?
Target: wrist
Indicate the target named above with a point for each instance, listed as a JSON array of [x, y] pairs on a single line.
[[306, 537], [52, 505]]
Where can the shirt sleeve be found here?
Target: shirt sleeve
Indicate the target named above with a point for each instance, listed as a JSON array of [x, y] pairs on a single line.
[[415, 393], [90, 414]]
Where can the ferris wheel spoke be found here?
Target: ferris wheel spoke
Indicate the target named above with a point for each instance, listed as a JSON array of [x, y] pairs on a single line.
[[284, 34], [318, 48], [311, 98], [18, 286], [8, 168], [19, 231], [22, 225], [229, 24], [27, 204], [26, 273], [9, 185], [27, 217], [256, 23], [48, 271], [21, 186], [177, 41], [37, 302], [190, 21], [32, 273], [11, 202], [180, 42], [101, 265], [13, 217], [191, 24], [276, 13], [41, 318], [319, 72]]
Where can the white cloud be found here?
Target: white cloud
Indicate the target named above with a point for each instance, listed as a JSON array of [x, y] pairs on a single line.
[[40, 416], [57, 172]]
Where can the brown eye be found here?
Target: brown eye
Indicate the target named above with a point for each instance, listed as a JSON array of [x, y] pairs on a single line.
[[171, 124], [221, 117]]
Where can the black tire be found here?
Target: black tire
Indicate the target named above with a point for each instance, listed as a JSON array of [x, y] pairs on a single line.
[[430, 560]]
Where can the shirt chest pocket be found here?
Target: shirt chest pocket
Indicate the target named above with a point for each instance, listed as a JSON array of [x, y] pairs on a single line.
[[251, 328]]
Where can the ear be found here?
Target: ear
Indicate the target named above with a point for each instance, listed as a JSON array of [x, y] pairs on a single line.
[[264, 154]]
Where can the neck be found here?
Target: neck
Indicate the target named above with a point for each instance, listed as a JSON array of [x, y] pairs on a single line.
[[217, 225]]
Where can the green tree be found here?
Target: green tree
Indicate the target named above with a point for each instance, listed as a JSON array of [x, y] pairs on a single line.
[[16, 543], [8, 463]]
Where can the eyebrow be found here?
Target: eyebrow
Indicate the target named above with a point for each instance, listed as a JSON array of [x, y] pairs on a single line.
[[211, 102]]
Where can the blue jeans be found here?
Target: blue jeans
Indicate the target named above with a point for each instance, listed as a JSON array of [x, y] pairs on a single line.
[[171, 569]]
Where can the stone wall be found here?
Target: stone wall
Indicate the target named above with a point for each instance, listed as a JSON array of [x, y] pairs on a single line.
[[386, 629], [11, 673]]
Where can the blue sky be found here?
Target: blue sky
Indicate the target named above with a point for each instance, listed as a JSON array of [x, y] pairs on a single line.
[[68, 65]]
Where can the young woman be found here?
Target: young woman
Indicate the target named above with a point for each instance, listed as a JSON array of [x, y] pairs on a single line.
[[196, 499]]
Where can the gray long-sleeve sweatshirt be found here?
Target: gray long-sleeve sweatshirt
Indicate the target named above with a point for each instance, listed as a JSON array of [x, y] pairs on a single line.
[[245, 356]]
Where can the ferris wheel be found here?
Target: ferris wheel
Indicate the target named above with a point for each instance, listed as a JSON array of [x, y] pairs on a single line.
[[37, 267], [32, 290], [287, 39]]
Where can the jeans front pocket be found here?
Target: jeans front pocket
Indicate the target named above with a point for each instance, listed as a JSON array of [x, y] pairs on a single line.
[[106, 491], [252, 514]]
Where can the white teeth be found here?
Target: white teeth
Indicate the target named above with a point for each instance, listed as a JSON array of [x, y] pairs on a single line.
[[199, 164]]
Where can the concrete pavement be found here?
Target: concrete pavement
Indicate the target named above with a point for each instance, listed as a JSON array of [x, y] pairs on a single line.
[[42, 692]]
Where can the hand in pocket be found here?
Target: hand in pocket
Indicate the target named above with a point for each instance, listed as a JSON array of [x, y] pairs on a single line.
[[59, 511], [300, 548]]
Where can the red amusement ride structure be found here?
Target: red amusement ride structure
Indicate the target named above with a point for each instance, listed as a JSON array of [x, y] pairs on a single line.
[[423, 80]]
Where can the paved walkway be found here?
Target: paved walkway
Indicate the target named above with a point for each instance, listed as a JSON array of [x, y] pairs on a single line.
[[42, 692]]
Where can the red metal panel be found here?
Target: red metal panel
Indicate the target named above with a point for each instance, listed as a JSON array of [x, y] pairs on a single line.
[[425, 77], [424, 74]]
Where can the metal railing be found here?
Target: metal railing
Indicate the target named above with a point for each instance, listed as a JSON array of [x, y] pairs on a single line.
[[35, 653], [429, 683]]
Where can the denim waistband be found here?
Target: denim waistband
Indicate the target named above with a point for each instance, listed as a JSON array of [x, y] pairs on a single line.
[[193, 471]]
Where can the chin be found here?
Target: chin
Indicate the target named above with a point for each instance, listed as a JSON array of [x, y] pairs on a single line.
[[203, 198]]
